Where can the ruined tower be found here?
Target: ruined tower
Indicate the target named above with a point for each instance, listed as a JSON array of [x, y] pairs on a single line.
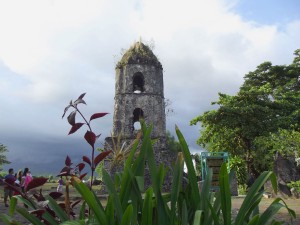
[[139, 93]]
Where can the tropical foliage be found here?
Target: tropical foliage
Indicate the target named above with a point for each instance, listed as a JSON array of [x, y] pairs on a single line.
[[172, 143], [3, 158], [295, 185], [238, 165], [250, 123], [127, 203], [93, 160]]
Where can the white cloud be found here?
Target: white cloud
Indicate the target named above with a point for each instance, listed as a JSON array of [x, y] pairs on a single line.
[[54, 50]]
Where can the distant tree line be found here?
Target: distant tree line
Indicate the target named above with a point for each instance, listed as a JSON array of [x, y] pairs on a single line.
[[3, 159]]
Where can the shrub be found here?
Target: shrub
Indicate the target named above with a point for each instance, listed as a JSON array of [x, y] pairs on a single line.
[[239, 166], [295, 185]]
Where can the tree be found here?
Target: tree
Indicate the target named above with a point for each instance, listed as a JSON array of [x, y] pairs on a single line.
[[3, 159], [172, 144], [267, 102]]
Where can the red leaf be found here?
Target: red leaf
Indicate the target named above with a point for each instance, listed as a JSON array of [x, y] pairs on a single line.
[[38, 213], [36, 182], [73, 204], [68, 161], [97, 115], [71, 118], [101, 156], [87, 160], [39, 197], [97, 137], [90, 137], [55, 195], [80, 99], [80, 166], [66, 109], [66, 171], [82, 176], [81, 96], [75, 127], [62, 205]]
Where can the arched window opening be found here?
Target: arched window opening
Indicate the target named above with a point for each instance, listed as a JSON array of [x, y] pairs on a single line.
[[138, 83], [137, 115]]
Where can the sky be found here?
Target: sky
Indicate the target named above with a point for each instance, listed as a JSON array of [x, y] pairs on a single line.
[[51, 51]]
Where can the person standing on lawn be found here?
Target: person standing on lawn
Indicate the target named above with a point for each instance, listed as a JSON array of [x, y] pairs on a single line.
[[9, 179], [23, 179], [28, 179], [60, 185]]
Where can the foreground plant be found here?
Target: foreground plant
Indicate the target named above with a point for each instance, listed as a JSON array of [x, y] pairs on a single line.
[[128, 204], [183, 205], [44, 209], [89, 136]]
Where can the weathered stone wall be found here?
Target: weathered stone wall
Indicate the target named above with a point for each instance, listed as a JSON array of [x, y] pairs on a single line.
[[152, 106], [286, 170], [234, 185], [151, 100], [153, 79]]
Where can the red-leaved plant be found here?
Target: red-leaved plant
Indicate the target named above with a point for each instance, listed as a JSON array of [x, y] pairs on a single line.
[[89, 136], [44, 207]]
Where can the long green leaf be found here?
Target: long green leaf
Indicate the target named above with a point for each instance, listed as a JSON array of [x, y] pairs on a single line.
[[8, 220], [25, 201], [147, 212], [136, 197], [176, 185], [49, 218], [269, 213], [161, 173], [139, 164], [90, 199], [214, 216], [126, 186], [31, 218], [197, 218], [112, 191], [252, 194], [191, 170], [225, 194], [109, 211], [254, 220], [12, 206], [126, 220], [130, 158], [82, 211], [162, 208], [276, 223], [217, 203], [184, 214], [253, 208], [130, 172], [206, 197], [74, 222], [57, 209]]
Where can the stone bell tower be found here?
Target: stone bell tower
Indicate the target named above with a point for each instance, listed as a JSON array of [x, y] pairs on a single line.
[[139, 94]]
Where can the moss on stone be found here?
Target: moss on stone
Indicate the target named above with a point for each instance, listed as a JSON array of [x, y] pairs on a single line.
[[139, 53]]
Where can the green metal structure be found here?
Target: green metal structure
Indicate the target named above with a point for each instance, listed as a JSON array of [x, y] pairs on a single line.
[[213, 160]]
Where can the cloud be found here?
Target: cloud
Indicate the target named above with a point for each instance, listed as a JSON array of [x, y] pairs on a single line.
[[52, 51]]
